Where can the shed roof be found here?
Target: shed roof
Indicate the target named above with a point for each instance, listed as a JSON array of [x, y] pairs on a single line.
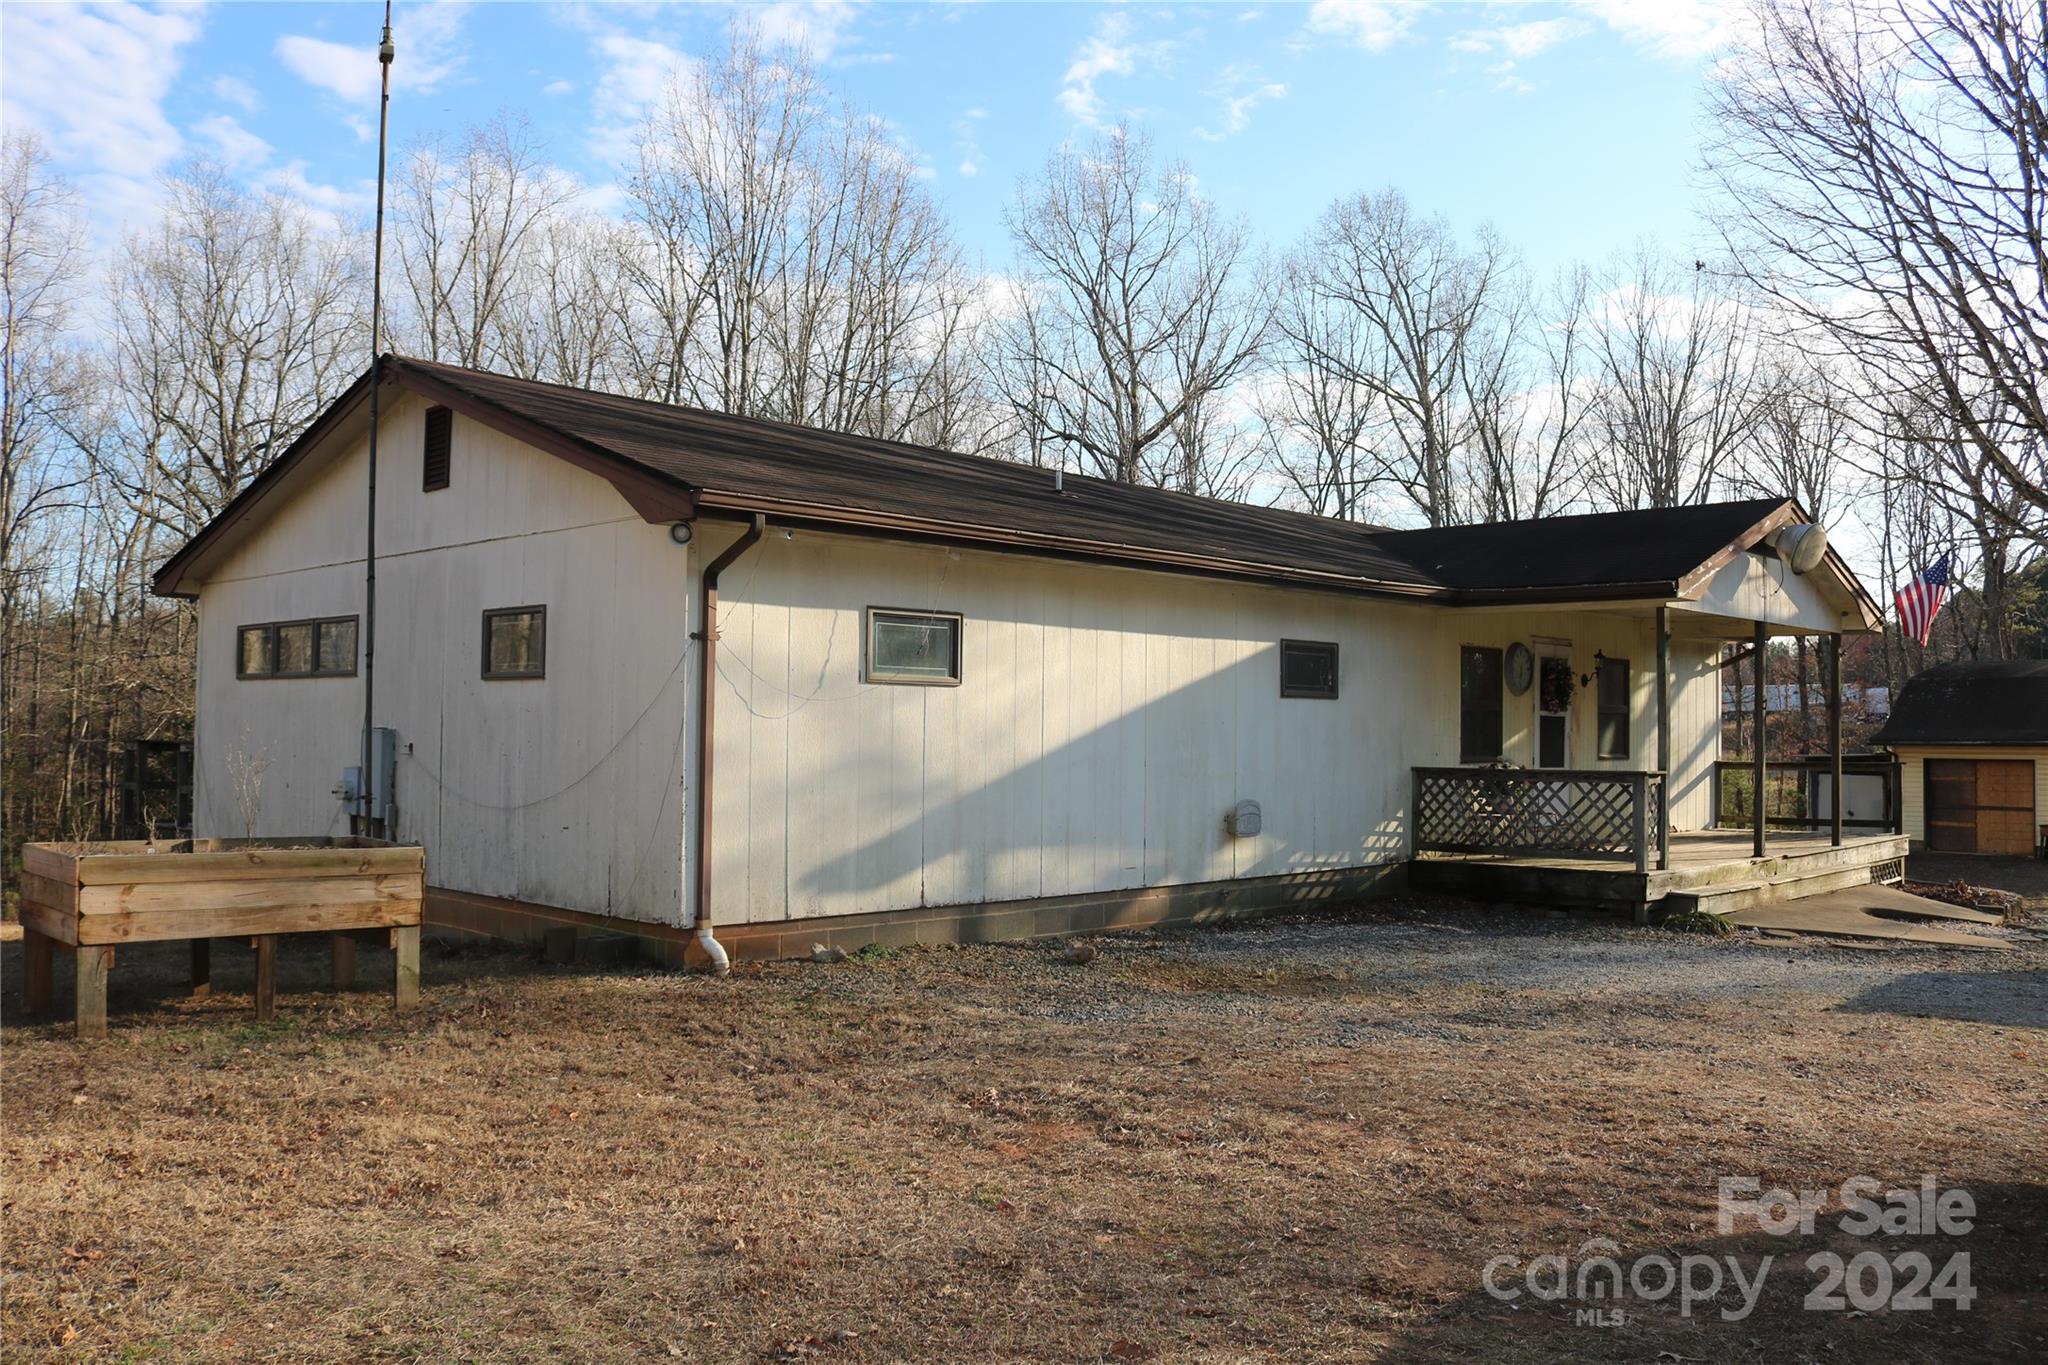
[[675, 462], [1972, 703]]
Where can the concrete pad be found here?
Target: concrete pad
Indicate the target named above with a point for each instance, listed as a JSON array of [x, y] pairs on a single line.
[[1891, 902], [1881, 912]]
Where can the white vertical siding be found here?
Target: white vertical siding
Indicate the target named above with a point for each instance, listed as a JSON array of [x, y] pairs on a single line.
[[1695, 730], [1106, 722], [565, 790]]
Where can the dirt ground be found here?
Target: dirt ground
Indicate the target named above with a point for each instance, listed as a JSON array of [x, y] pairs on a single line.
[[1297, 1140], [2026, 876]]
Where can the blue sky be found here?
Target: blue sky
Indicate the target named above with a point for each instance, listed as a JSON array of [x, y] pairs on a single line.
[[1571, 127]]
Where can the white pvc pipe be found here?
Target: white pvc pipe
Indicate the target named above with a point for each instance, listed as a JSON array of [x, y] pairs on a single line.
[[713, 949]]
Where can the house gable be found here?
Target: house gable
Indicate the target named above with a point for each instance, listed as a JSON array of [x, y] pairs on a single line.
[[499, 487]]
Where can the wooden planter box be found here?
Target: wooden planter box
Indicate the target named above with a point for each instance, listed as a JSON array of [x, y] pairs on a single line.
[[93, 897]]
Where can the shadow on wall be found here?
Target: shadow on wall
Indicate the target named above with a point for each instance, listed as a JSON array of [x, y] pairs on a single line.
[[957, 795]]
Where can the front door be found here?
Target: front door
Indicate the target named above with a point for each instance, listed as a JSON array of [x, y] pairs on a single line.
[[1553, 691]]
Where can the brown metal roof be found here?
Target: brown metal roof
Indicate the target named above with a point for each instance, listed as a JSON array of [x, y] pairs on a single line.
[[673, 462]]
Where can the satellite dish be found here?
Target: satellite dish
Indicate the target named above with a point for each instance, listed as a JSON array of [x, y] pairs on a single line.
[[1802, 547]]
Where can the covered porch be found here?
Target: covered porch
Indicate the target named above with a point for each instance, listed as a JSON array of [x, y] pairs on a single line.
[[1606, 837]]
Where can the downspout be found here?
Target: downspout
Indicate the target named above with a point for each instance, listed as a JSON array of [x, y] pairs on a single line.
[[707, 711]]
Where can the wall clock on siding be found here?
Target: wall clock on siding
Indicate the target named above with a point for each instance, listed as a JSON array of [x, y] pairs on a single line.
[[1521, 668]]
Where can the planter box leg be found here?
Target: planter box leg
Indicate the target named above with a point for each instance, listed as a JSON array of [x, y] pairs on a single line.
[[266, 976], [202, 968], [344, 948], [35, 971], [92, 962], [405, 988]]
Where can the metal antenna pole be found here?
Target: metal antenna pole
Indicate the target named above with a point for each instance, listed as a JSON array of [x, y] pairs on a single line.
[[364, 796]]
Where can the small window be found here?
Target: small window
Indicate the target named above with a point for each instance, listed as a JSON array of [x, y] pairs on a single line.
[[434, 458], [324, 648], [1614, 688], [913, 647], [1308, 668], [516, 642], [1479, 705]]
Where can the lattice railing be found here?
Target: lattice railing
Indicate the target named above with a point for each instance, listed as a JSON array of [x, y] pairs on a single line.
[[1539, 812]]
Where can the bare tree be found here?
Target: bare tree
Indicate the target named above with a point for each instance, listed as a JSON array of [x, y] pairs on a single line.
[[236, 321], [1314, 411], [1139, 307], [1885, 164], [1678, 393], [1943, 495], [41, 241], [471, 228], [1802, 435], [1422, 305], [572, 321], [792, 264], [1528, 403]]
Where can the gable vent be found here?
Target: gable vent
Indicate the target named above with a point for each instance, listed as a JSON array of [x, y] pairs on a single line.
[[434, 463]]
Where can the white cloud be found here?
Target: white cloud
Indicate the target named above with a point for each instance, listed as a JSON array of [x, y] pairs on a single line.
[[1505, 78], [237, 92], [1103, 53], [1242, 90], [1678, 29], [558, 88], [1519, 42], [1374, 25], [340, 204], [429, 52], [816, 26], [967, 140], [92, 82], [233, 145], [1515, 44], [637, 74]]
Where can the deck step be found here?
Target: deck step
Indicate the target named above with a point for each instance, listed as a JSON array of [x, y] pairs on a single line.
[[1727, 897], [1779, 865]]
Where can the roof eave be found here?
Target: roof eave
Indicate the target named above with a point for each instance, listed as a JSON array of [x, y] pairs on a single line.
[[1003, 538]]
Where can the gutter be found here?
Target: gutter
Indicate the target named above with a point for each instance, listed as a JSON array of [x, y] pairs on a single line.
[[707, 711]]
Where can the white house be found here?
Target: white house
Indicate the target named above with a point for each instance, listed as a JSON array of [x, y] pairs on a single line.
[[948, 696]]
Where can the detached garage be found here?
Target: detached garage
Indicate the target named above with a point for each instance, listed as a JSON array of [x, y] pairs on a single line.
[[1972, 740]]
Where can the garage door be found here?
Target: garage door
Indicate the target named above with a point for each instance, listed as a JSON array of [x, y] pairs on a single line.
[[1980, 805]]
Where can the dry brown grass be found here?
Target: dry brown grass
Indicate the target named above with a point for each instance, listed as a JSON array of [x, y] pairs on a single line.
[[982, 1155]]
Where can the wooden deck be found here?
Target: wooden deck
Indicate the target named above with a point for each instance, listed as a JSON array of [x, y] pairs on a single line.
[[1710, 870]]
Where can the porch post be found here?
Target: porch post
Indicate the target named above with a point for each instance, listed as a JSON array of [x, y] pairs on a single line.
[[1664, 734], [1756, 739], [1835, 731]]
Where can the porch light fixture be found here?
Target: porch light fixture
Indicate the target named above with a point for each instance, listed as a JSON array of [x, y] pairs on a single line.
[[1802, 545]]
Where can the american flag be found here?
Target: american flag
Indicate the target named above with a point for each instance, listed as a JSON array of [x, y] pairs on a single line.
[[1920, 601]]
